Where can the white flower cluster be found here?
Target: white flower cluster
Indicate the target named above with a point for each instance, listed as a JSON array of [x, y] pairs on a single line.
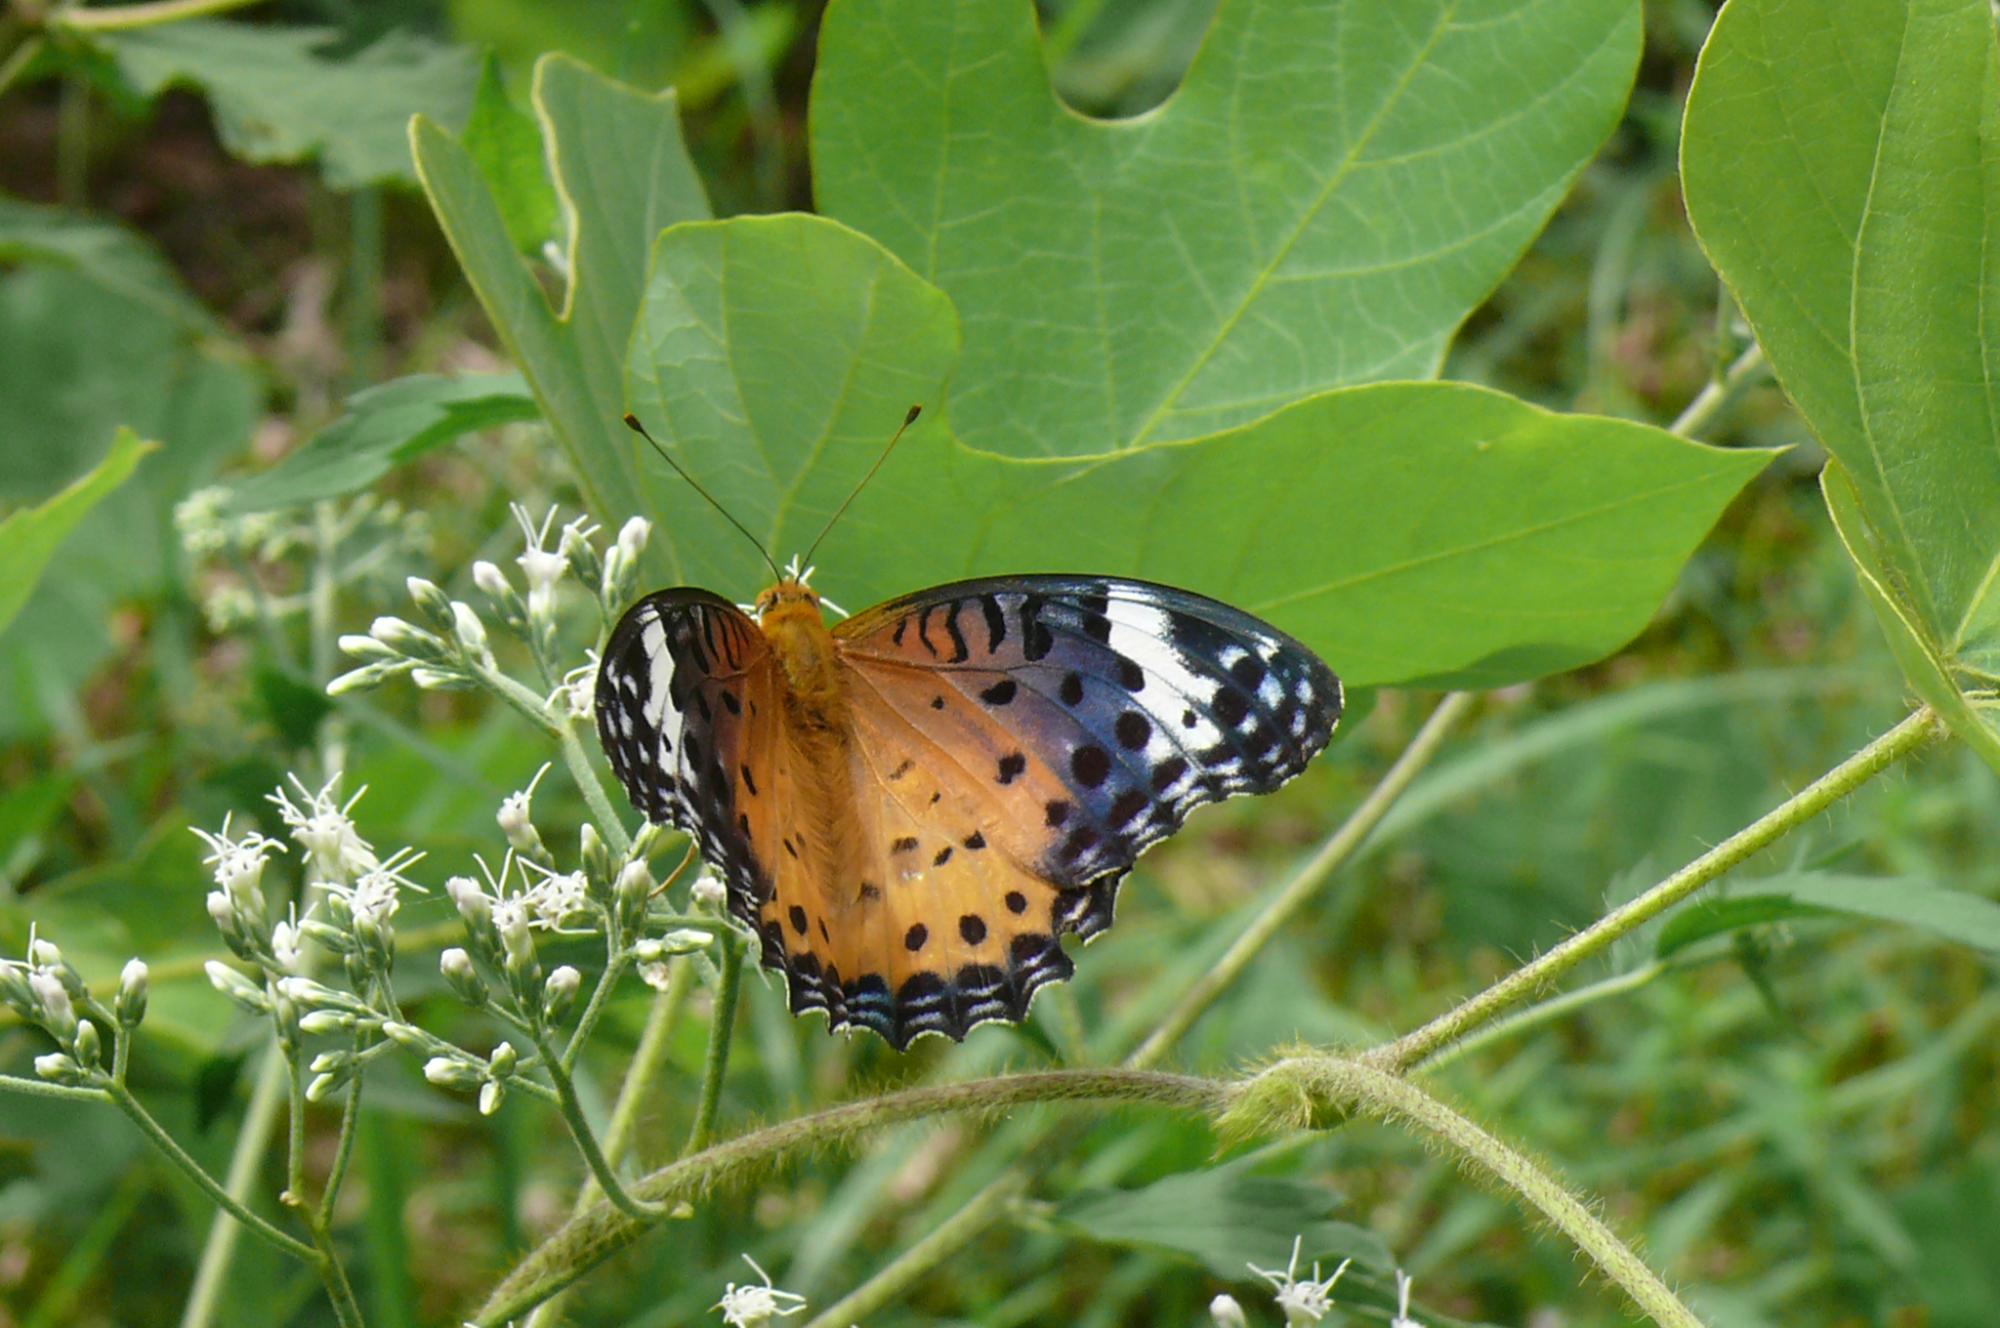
[[44, 990], [448, 646]]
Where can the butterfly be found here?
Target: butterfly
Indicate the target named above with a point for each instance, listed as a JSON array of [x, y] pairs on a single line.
[[912, 807]]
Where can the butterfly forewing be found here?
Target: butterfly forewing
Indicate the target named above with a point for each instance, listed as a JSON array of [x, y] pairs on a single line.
[[1094, 714]]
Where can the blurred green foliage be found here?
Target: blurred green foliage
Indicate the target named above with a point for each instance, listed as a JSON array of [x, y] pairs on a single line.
[[1795, 1114]]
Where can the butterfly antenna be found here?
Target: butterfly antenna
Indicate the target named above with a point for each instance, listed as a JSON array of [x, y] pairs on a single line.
[[632, 423], [840, 511]]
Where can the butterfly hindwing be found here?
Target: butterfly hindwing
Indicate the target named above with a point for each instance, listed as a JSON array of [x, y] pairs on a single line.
[[1107, 709], [687, 712]]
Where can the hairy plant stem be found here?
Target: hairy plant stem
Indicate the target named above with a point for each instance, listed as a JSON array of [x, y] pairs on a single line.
[[1542, 1012], [721, 1031], [1303, 886], [1913, 733], [584, 1241], [1307, 1090]]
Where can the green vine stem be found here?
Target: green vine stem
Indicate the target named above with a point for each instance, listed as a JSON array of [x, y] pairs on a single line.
[[1914, 732], [1312, 1090], [584, 1241]]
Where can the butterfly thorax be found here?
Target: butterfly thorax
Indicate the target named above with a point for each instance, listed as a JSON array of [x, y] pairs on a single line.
[[790, 617]]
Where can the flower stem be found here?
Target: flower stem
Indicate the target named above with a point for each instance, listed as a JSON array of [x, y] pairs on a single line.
[[160, 1139], [14, 1083], [1306, 884], [1310, 1089], [1913, 733], [586, 1142], [584, 1241], [721, 1030], [1715, 394], [1543, 1012]]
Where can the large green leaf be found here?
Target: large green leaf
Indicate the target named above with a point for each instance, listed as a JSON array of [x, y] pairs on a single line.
[[1409, 531], [1334, 187], [1842, 168], [288, 94], [623, 174], [29, 538]]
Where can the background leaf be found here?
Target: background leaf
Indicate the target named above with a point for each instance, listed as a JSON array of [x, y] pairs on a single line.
[[1840, 168], [1225, 1217], [382, 428], [1955, 915], [1248, 243], [30, 538], [288, 94]]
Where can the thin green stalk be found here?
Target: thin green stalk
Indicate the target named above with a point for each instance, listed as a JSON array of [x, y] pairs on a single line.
[[661, 1021], [346, 1308], [1715, 394], [1308, 1090], [1300, 891], [1543, 1012], [721, 1030], [583, 1242], [125, 18], [1913, 733], [18, 60], [14, 1083], [915, 1263], [220, 1248], [600, 992], [160, 1139], [601, 810], [343, 1148], [586, 1142]]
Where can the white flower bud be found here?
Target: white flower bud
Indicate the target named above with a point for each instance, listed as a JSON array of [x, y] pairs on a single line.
[[491, 1094], [42, 953], [88, 1043], [559, 993], [632, 537], [130, 1004], [366, 647], [462, 976], [326, 1021], [433, 602], [708, 891], [220, 909], [407, 1036], [1226, 1312], [57, 1013], [58, 1069], [491, 580], [502, 1061], [470, 633], [451, 1072], [440, 680], [365, 678], [318, 996], [680, 941], [237, 988], [406, 639]]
